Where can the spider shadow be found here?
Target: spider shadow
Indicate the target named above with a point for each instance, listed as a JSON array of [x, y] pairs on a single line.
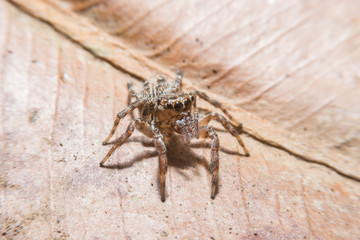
[[179, 155]]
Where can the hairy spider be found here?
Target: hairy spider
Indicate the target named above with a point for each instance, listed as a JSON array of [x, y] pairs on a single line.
[[164, 110]]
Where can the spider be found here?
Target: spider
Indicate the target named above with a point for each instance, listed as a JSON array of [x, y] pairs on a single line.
[[164, 110]]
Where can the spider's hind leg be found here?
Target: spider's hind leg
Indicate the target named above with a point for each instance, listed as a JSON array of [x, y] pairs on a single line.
[[226, 124], [214, 167]]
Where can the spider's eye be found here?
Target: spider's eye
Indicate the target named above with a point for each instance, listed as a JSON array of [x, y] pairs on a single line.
[[178, 106], [187, 103], [169, 105], [192, 98]]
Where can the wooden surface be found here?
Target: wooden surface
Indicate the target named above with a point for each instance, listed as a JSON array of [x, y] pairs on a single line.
[[292, 66]]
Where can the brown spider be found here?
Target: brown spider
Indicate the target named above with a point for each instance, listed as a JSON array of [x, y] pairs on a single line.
[[164, 110]]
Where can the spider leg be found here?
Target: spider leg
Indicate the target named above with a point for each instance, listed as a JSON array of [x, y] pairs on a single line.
[[226, 124], [132, 92], [214, 167], [121, 115], [140, 125], [118, 142], [178, 81], [160, 79], [217, 104], [196, 123], [161, 148]]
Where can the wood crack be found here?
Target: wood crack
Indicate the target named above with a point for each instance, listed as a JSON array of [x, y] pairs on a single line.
[[300, 156]]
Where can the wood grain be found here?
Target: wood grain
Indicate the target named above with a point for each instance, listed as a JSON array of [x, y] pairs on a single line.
[[58, 102]]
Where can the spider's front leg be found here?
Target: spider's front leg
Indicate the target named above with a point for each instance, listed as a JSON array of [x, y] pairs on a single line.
[[161, 148], [217, 104], [132, 93], [178, 81], [214, 167], [226, 124], [118, 142], [131, 90], [121, 115]]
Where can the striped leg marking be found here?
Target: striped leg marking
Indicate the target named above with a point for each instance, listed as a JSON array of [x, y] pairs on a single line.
[[214, 167], [226, 124], [121, 115], [161, 148], [118, 142], [217, 104]]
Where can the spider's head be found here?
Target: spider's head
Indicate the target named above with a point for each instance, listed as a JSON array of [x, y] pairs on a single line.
[[182, 103]]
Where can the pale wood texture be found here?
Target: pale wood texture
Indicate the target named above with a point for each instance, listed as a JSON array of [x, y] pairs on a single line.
[[58, 102]]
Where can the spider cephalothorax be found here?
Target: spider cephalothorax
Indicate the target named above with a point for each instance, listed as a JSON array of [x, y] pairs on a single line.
[[165, 110]]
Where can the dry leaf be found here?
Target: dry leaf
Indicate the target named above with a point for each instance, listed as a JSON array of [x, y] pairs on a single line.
[[292, 65]]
